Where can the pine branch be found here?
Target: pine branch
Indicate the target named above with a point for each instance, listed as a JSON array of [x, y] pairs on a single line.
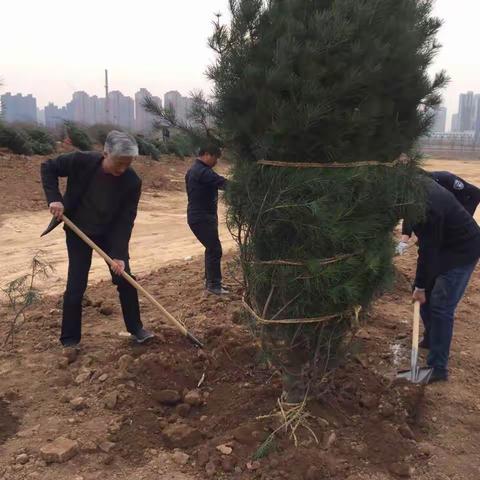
[[197, 126]]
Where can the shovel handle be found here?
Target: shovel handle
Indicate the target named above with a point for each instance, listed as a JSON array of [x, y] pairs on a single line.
[[132, 282], [415, 337]]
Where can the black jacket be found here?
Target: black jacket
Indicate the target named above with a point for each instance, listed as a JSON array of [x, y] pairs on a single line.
[[80, 168], [466, 193], [202, 184], [448, 238]]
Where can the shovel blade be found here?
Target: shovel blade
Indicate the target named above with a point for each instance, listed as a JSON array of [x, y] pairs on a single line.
[[421, 376]]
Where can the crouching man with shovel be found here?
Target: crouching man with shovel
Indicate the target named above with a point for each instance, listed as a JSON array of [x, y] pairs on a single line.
[[101, 198], [449, 249]]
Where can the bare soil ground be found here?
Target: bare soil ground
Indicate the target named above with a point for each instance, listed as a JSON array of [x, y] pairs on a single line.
[[112, 400]]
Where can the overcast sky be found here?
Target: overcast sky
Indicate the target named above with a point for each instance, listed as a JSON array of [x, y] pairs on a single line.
[[51, 48]]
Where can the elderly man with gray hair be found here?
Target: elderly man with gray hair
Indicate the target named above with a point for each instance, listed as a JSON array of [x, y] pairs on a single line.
[[101, 197]]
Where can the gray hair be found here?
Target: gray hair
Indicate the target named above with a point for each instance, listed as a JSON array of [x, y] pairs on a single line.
[[121, 144]]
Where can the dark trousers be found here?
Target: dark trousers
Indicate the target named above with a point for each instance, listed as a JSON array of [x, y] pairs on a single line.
[[207, 235], [438, 313], [79, 262]]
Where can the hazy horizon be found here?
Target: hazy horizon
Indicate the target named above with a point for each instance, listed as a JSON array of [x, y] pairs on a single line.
[[160, 48]]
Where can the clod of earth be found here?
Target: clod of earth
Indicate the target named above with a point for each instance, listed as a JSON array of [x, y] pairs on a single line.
[[253, 465], [78, 403], [125, 362], [167, 397], [111, 400], [22, 459], [180, 435], [225, 449], [83, 377], [106, 446], [59, 451], [194, 398], [180, 458]]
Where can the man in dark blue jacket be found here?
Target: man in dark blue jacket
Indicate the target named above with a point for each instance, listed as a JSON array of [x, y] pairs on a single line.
[[449, 249], [101, 198], [202, 184], [467, 194]]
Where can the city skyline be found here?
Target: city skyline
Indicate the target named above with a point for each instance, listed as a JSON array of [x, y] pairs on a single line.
[[128, 112], [121, 110], [167, 47]]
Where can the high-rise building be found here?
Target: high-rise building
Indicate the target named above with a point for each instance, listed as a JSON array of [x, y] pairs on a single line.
[[181, 105], [466, 112], [440, 121], [476, 114], [19, 108], [41, 116], [143, 119], [455, 123], [82, 107], [99, 110], [121, 110], [55, 116], [173, 101]]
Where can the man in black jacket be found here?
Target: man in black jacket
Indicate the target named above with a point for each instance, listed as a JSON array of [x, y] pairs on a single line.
[[449, 249], [101, 198], [202, 184], [467, 194]]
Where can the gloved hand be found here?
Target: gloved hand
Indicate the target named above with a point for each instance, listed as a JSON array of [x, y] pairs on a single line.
[[401, 248]]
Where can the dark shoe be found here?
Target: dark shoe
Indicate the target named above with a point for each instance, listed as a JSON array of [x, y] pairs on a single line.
[[425, 344], [218, 290], [438, 376], [142, 336]]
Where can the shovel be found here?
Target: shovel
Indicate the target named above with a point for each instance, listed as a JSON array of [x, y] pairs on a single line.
[[179, 326], [419, 375]]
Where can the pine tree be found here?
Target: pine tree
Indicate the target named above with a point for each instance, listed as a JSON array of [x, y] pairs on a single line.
[[320, 82]]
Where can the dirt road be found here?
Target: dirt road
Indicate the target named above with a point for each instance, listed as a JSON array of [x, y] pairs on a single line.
[[161, 236]]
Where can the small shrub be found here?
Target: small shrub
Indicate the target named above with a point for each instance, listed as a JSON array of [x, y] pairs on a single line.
[[41, 140], [146, 147], [15, 139], [78, 137]]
